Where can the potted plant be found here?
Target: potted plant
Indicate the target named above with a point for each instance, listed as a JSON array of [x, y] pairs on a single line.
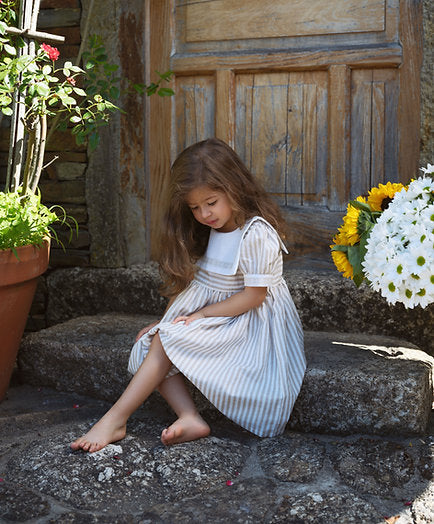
[[48, 97]]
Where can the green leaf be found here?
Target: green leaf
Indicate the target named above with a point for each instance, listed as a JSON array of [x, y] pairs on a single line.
[[42, 89], [67, 64], [10, 49], [93, 140], [344, 249], [355, 260], [79, 91], [115, 92], [75, 119], [46, 69], [110, 68], [79, 139], [7, 111], [165, 91], [68, 100], [360, 205]]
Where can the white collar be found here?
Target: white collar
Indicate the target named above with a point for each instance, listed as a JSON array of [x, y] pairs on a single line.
[[223, 252]]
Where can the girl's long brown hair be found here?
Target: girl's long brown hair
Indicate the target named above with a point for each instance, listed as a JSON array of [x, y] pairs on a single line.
[[214, 164]]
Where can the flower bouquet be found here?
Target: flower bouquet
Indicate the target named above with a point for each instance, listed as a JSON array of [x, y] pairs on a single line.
[[387, 239]]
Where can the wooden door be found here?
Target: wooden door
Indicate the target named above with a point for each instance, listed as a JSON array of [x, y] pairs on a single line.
[[320, 99]]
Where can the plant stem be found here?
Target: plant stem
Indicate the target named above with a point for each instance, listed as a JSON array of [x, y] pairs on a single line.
[[76, 62], [29, 159], [42, 141]]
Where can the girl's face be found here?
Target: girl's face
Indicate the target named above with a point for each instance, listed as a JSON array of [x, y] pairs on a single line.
[[211, 208]]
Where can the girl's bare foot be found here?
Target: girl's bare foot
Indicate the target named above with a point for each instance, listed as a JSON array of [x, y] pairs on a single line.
[[186, 428], [104, 432]]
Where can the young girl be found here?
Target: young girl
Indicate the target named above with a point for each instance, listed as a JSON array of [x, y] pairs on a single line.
[[231, 327]]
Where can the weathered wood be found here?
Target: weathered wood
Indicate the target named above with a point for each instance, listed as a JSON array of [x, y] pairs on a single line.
[[411, 35], [311, 229], [374, 131], [35, 35], [314, 109], [361, 117], [385, 56], [338, 129], [219, 20], [160, 110], [194, 109], [225, 106]]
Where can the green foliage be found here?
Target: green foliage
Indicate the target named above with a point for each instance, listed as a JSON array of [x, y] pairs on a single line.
[[23, 220]]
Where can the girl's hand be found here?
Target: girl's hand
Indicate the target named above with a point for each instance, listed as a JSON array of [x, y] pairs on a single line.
[[189, 318], [146, 329]]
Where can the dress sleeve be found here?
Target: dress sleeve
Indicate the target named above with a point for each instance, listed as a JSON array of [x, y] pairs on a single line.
[[260, 249]]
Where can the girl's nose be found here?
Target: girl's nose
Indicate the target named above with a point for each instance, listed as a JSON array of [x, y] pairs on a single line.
[[206, 212]]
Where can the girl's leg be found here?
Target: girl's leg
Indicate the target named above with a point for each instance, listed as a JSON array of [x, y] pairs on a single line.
[[190, 425], [112, 426]]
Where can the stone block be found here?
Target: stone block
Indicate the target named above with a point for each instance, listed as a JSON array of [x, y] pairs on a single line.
[[68, 192], [76, 292], [325, 300], [354, 383]]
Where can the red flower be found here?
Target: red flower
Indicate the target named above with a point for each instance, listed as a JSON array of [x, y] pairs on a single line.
[[52, 52], [71, 80]]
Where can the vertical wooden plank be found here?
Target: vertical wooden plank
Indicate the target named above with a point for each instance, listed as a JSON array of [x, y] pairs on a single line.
[[391, 140], [294, 149], [225, 106], [321, 125], [243, 112], [269, 132], [411, 37], [377, 133], [361, 125], [339, 104], [309, 140], [185, 111], [194, 110], [307, 169], [160, 111]]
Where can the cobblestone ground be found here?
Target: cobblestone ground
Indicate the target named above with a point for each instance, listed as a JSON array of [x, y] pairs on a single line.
[[230, 477]]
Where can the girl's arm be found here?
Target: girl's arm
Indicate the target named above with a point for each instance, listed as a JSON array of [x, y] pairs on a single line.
[[236, 304]]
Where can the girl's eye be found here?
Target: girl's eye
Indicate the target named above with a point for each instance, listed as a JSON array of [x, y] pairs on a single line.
[[212, 203]]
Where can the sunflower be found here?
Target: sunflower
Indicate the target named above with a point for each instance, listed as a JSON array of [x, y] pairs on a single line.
[[342, 263], [380, 197], [351, 219], [340, 258]]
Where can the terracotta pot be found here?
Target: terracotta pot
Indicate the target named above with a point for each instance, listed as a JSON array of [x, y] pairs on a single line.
[[18, 280]]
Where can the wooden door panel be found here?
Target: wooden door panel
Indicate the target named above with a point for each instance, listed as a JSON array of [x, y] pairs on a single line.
[[195, 110], [228, 20], [374, 129], [319, 99], [281, 133]]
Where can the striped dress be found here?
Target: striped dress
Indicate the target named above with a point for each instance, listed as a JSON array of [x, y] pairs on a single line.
[[250, 366]]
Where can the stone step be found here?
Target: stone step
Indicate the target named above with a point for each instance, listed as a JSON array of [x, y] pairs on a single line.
[[354, 383], [325, 300]]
